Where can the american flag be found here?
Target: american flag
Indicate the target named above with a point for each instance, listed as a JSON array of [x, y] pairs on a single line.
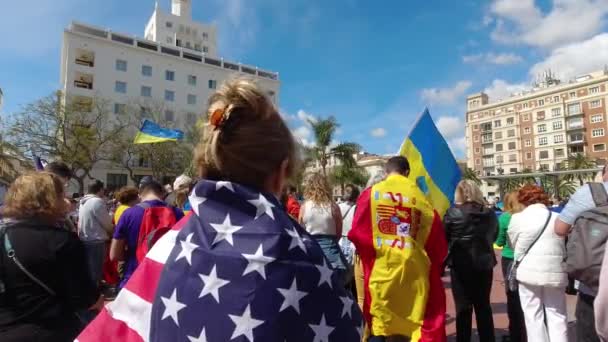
[[237, 269]]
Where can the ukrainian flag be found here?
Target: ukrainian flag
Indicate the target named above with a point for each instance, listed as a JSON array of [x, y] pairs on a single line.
[[151, 133], [432, 164]]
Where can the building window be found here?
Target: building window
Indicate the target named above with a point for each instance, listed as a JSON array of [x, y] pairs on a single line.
[[594, 90], [511, 133], [557, 125], [475, 127], [169, 40], [191, 99], [477, 150], [119, 108], [169, 95], [555, 112], [121, 65], [526, 105], [572, 94], [205, 49], [528, 142], [476, 138], [169, 115], [598, 132], [595, 104], [527, 130], [205, 36], [512, 158], [170, 75], [212, 84], [543, 155], [541, 102], [540, 115], [555, 99], [574, 108], [558, 139], [498, 147], [526, 117], [497, 123], [498, 135], [192, 80], [120, 87], [477, 161], [528, 155], [146, 91], [115, 180], [558, 152], [597, 118], [146, 70], [190, 118], [197, 47], [511, 146], [499, 160], [599, 147], [510, 121], [542, 141], [169, 24], [145, 113], [542, 128]]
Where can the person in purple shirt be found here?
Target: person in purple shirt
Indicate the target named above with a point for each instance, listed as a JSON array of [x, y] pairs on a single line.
[[124, 240]]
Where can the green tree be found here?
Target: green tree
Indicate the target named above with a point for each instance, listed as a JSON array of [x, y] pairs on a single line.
[[579, 161], [471, 175], [562, 188], [80, 132], [322, 150], [342, 175]]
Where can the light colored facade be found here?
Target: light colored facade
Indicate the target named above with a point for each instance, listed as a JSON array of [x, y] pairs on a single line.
[[538, 128], [99, 63]]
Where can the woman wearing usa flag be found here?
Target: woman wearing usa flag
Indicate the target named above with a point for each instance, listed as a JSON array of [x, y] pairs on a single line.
[[238, 268]]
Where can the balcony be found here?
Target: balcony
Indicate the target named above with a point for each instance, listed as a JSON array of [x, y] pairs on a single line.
[[85, 58], [489, 152], [486, 141], [576, 140], [488, 165], [83, 81], [572, 126]]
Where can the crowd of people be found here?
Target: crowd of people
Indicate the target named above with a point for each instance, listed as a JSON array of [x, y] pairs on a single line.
[[235, 253]]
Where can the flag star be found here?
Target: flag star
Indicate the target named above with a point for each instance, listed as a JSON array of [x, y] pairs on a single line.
[[360, 330], [292, 297], [224, 230], [296, 240], [212, 284], [326, 273], [347, 307], [257, 262], [263, 206], [187, 248], [245, 324], [172, 307], [201, 338], [223, 184], [322, 331], [196, 201]]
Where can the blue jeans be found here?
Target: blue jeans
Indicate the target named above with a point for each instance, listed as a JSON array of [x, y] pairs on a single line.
[[96, 253]]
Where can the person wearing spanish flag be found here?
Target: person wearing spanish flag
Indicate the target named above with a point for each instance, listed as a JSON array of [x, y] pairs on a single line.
[[400, 240]]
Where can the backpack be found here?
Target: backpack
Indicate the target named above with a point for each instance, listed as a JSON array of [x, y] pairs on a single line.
[[587, 240], [155, 223]]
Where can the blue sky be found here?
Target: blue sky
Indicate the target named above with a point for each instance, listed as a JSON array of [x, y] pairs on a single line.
[[372, 67]]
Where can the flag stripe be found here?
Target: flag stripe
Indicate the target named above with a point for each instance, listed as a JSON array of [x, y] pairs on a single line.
[[108, 330], [429, 142], [163, 247], [145, 279], [134, 311]]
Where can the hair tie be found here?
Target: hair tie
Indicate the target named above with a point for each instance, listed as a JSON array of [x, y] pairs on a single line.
[[217, 118]]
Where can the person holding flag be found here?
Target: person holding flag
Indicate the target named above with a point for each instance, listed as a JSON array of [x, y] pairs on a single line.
[[399, 237], [238, 267]]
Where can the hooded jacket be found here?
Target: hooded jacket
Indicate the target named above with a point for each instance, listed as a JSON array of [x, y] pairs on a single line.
[[94, 220]]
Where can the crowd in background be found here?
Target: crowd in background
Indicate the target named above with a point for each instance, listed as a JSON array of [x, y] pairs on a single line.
[[61, 258]]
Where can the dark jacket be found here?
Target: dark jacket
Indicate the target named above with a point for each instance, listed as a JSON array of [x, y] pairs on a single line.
[[57, 258], [471, 230]]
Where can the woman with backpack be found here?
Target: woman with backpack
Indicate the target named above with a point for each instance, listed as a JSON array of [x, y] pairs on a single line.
[[44, 278], [517, 328], [471, 230], [539, 268], [237, 268]]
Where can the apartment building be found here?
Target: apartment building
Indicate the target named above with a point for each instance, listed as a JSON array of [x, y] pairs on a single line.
[[538, 128], [176, 64]]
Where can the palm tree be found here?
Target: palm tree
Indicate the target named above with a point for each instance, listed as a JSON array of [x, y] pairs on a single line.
[[324, 130], [580, 162], [471, 175], [342, 175], [563, 188]]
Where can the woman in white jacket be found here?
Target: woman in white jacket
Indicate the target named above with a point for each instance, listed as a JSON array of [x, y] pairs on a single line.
[[541, 274]]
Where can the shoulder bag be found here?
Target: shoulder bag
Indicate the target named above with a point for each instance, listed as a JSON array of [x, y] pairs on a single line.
[[512, 277]]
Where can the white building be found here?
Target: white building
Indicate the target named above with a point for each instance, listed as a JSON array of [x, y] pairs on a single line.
[[175, 64]]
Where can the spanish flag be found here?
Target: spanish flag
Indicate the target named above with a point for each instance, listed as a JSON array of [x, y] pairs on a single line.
[[151, 133], [432, 165]]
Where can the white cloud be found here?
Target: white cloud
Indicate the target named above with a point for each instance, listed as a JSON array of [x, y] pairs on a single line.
[[493, 58], [450, 126], [378, 132], [302, 132], [522, 21], [445, 96], [305, 117], [501, 89], [458, 146], [576, 58]]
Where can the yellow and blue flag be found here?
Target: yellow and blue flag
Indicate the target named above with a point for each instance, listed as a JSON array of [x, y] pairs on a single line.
[[150, 133], [432, 164]]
